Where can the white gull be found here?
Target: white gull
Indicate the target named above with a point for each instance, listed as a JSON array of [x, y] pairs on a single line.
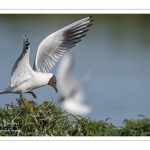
[[24, 79], [71, 90]]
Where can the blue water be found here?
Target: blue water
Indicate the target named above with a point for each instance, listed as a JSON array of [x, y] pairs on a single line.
[[119, 45]]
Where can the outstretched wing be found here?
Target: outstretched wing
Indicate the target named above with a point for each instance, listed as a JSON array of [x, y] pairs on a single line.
[[72, 91], [65, 75], [22, 69], [67, 83], [58, 43]]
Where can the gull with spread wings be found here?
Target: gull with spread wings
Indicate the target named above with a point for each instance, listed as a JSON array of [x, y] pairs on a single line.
[[72, 99], [24, 79]]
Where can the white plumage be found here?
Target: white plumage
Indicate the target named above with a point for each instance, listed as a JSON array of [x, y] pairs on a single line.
[[24, 79], [72, 91]]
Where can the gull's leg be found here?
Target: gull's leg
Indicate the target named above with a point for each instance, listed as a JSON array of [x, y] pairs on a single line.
[[20, 96], [33, 94]]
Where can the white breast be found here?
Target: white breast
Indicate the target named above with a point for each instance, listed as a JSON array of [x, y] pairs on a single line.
[[38, 80]]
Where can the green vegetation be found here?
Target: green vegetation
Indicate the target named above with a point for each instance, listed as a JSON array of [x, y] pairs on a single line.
[[27, 118]]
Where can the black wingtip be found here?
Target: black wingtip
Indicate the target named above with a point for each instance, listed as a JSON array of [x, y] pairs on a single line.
[[25, 43], [85, 30], [24, 36], [83, 35], [90, 16], [25, 40], [89, 25]]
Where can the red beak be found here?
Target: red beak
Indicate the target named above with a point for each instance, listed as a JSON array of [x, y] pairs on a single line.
[[55, 88]]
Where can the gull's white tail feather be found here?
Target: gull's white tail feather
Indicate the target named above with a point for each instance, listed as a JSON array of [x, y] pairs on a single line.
[[7, 90]]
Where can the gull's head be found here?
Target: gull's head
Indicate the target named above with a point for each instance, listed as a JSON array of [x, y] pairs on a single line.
[[52, 82]]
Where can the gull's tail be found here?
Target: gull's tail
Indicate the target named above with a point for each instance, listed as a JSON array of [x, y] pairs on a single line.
[[7, 90]]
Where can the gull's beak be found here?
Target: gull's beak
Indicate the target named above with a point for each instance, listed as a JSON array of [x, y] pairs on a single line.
[[55, 88]]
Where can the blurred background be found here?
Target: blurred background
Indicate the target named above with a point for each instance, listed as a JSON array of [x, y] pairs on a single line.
[[118, 44]]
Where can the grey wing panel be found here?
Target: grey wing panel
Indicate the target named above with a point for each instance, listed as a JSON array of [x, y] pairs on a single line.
[[22, 69], [25, 50], [58, 43]]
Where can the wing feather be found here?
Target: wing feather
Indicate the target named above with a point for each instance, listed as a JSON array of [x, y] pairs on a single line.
[[65, 75], [57, 44], [21, 70]]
